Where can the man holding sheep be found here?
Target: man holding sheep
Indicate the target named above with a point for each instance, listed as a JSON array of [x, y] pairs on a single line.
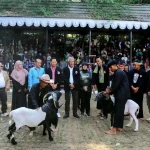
[[37, 92], [120, 89]]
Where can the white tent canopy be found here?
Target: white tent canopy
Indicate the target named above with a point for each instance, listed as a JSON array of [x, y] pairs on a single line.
[[60, 22]]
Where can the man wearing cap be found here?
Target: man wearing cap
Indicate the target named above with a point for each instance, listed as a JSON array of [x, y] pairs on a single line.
[[120, 89], [38, 91], [137, 85]]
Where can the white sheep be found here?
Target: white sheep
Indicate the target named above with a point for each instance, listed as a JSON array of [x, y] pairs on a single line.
[[132, 108]]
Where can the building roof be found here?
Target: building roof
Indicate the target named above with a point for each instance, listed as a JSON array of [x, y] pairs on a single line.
[[138, 12], [72, 14]]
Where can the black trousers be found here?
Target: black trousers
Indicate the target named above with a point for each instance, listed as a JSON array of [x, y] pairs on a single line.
[[119, 112], [85, 101], [138, 98], [3, 98], [79, 99], [74, 98]]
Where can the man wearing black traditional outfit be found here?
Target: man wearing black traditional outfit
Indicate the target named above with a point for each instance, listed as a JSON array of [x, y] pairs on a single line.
[[37, 92], [137, 85], [121, 91]]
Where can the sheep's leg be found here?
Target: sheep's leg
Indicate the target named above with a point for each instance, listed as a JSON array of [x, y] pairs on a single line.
[[32, 129], [13, 141], [136, 122], [44, 129], [11, 127], [130, 121], [9, 130], [12, 138], [49, 132]]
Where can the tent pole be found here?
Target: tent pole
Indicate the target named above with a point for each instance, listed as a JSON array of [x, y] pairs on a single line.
[[131, 36], [5, 36], [90, 44], [46, 44]]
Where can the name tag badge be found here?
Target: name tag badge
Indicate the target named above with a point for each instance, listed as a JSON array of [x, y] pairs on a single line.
[[58, 72], [76, 72], [104, 72]]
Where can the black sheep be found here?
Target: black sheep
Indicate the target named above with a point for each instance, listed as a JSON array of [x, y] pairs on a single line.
[[106, 104]]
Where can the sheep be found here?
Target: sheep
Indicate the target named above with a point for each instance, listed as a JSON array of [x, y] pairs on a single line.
[[131, 108], [46, 115]]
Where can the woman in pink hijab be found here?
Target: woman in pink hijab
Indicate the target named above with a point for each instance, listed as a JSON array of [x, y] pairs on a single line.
[[19, 80]]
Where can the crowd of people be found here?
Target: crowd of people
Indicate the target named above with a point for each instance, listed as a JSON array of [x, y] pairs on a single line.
[[114, 73], [112, 49]]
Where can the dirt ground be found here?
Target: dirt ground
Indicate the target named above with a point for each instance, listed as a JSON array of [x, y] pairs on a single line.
[[79, 134]]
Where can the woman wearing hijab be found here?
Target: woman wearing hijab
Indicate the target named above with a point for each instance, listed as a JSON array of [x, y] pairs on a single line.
[[19, 78], [85, 84]]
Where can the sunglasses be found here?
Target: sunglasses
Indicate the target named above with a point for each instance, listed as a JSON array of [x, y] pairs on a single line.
[[1, 66]]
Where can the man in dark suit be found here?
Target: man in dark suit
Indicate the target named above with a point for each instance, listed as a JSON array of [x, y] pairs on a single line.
[[55, 74], [71, 85]]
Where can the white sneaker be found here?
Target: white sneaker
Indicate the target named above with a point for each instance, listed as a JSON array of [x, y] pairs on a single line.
[[4, 115], [148, 119], [59, 115]]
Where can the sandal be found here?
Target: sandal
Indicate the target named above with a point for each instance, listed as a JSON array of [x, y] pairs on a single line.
[[111, 132]]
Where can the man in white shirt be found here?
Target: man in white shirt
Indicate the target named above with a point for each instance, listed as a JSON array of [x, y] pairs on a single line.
[[71, 86], [4, 87]]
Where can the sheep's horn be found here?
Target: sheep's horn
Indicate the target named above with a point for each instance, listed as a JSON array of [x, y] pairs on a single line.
[[45, 97]]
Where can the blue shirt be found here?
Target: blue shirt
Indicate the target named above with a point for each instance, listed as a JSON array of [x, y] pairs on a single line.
[[33, 75]]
